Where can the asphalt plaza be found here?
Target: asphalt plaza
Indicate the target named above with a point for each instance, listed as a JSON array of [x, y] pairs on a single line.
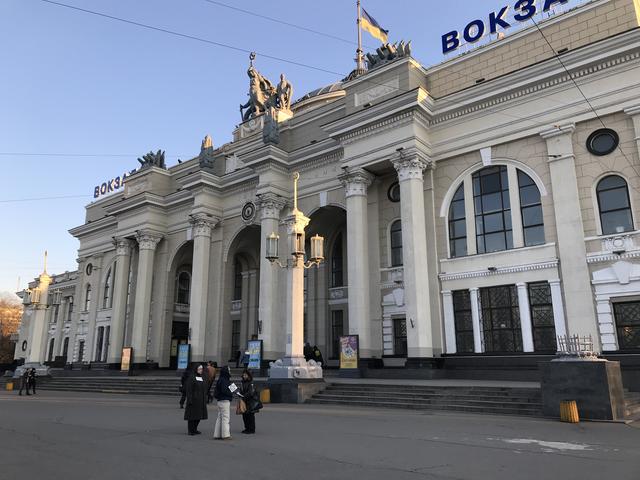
[[62, 435]]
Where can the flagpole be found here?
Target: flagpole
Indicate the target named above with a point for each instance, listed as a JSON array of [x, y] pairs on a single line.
[[359, 65]]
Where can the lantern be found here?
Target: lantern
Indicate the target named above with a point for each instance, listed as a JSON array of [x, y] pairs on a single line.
[[317, 248], [272, 247]]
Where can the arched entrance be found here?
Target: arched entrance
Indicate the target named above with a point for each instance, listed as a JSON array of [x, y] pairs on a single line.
[[326, 293], [178, 299], [242, 286]]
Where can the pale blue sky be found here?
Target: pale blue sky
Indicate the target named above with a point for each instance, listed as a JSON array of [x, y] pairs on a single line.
[[74, 83]]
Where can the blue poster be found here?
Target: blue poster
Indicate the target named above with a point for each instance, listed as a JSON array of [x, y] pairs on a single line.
[[183, 356], [255, 353]]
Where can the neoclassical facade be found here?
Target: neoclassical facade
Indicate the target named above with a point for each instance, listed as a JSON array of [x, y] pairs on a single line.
[[480, 207]]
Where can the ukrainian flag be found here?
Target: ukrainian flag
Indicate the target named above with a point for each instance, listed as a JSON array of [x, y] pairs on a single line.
[[369, 23]]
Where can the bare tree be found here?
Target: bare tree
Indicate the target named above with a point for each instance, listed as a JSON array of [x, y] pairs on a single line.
[[10, 316]]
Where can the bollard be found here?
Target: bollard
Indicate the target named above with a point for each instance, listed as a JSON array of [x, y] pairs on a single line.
[[265, 395], [569, 411], [9, 386]]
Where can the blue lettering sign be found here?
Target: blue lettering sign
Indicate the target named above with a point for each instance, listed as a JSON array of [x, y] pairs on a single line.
[[549, 3], [528, 9], [450, 42], [497, 19], [471, 34]]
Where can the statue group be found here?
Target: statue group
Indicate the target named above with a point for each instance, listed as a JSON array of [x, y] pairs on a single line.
[[152, 160], [263, 96]]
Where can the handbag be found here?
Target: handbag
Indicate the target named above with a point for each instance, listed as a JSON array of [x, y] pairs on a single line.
[[241, 407]]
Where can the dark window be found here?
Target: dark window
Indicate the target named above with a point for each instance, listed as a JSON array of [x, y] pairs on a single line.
[[396, 244], [400, 336], [87, 298], [337, 259], [463, 321], [531, 209], [183, 288], [457, 224], [603, 142], [501, 319], [492, 209], [50, 356], [543, 326], [81, 350], [627, 315], [70, 309], [106, 301], [107, 342], [235, 338], [98, 355], [65, 348], [394, 192], [237, 282], [337, 330], [614, 205], [56, 311]]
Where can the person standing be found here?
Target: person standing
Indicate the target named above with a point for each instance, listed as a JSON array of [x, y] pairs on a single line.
[[317, 355], [196, 389], [183, 380], [308, 352], [32, 381], [24, 381], [211, 374], [224, 396], [250, 396]]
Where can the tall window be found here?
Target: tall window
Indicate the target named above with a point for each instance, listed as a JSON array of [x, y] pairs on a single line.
[[337, 277], [463, 321], [50, 356], [69, 309], [501, 319], [531, 209], [235, 338], [544, 330], [492, 209], [237, 281], [396, 243], [106, 301], [183, 288], [56, 311], [107, 332], [400, 336], [81, 350], [87, 298], [627, 315], [457, 225], [99, 344], [65, 348], [614, 205], [337, 330]]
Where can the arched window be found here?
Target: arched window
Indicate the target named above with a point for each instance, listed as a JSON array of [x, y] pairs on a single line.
[[87, 298], [458, 225], [492, 209], [531, 210], [106, 301], [614, 205], [337, 259], [237, 281], [183, 288], [396, 243]]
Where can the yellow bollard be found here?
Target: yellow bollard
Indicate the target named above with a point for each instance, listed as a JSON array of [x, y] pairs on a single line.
[[9, 386], [569, 411], [265, 395]]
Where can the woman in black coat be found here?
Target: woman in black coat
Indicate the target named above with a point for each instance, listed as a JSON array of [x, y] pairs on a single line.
[[250, 396], [196, 388]]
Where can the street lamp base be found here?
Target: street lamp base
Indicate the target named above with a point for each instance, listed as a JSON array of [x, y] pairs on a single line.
[[295, 368]]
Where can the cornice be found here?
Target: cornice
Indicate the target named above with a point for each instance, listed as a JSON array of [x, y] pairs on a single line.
[[499, 271], [611, 257], [93, 227]]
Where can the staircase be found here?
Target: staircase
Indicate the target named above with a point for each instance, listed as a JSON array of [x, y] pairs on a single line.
[[631, 405], [492, 400], [103, 384]]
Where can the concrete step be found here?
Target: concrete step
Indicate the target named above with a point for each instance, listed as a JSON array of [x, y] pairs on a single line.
[[427, 390], [444, 396], [430, 401]]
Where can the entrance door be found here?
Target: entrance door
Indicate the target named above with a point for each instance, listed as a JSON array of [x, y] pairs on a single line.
[[179, 336], [627, 316]]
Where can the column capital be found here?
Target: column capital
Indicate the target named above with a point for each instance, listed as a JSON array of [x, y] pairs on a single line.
[[202, 224], [270, 204], [410, 166], [521, 285], [447, 293], [474, 289], [148, 239], [632, 111], [356, 182], [558, 130], [123, 246]]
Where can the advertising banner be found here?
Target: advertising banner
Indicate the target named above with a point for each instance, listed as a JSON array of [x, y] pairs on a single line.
[[127, 355], [183, 356], [349, 354], [255, 353]]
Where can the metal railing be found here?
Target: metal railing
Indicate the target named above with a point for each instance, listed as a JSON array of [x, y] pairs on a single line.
[[576, 346]]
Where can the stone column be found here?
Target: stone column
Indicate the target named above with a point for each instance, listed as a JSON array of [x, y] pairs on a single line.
[[147, 242], [525, 318], [39, 325], [202, 227], [581, 319], [356, 183], [558, 310], [120, 287], [420, 341], [269, 318], [449, 322], [475, 320], [634, 113]]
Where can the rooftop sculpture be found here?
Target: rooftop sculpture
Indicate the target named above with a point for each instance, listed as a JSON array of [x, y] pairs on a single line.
[[263, 95], [153, 160], [388, 52]]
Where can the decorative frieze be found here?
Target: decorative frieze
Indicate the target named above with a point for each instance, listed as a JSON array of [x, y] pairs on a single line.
[[499, 271], [356, 182]]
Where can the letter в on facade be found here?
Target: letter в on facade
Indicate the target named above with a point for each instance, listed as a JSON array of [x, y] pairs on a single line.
[[450, 42]]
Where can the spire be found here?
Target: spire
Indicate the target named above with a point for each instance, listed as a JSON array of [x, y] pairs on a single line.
[[45, 262]]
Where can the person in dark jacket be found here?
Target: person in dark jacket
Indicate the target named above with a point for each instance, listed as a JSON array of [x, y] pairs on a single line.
[[196, 388], [224, 396], [249, 394], [183, 380], [32, 381], [24, 381], [211, 375], [307, 352], [317, 355]]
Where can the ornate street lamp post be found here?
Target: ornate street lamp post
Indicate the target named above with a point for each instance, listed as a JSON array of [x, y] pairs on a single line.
[[294, 365]]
